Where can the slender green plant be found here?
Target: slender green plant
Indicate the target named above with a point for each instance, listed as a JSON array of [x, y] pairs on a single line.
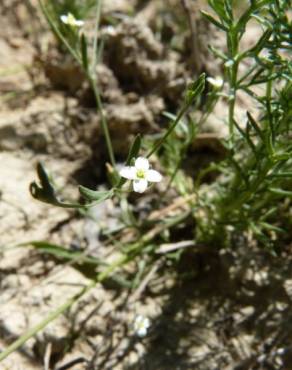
[[46, 191], [77, 44], [255, 175]]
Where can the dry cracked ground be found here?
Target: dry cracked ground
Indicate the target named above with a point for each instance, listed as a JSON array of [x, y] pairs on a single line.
[[221, 310]]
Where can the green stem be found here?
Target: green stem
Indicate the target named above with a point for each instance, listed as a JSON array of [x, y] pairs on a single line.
[[131, 254], [269, 129], [232, 100], [97, 21], [104, 124], [235, 199], [232, 42], [169, 131], [58, 33], [91, 75]]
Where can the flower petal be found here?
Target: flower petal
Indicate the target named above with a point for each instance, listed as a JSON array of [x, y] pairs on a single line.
[[153, 176], [142, 164], [79, 23], [141, 332], [138, 320], [128, 172], [146, 323], [140, 185], [217, 82], [64, 19]]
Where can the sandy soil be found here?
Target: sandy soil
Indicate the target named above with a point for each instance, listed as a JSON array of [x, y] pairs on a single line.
[[215, 310]]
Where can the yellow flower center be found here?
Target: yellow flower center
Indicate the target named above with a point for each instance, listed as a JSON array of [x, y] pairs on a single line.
[[140, 174], [71, 19]]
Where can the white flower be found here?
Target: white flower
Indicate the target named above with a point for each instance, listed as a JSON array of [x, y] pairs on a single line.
[[140, 174], [141, 325], [229, 63], [265, 54], [70, 20], [216, 82]]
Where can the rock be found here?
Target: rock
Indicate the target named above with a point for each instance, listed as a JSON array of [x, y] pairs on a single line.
[[138, 59]]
